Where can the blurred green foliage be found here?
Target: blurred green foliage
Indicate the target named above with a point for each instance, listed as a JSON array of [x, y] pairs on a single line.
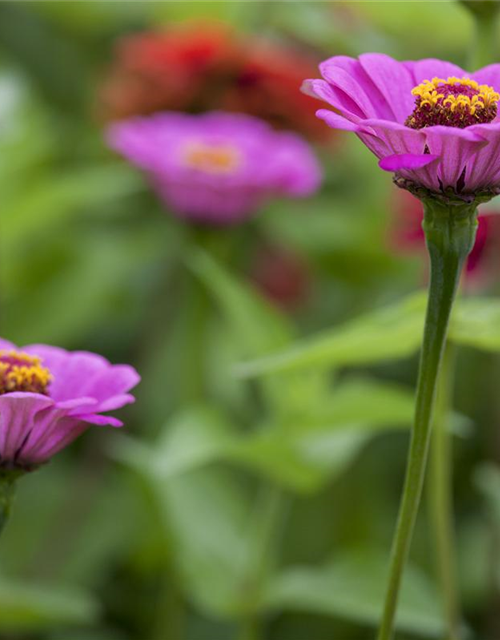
[[255, 486]]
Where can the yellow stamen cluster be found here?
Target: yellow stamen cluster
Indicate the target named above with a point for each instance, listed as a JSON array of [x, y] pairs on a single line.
[[212, 158], [429, 93], [22, 372]]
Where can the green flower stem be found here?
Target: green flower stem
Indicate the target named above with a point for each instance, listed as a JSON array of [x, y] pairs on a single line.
[[170, 621], [269, 518], [450, 230], [485, 42], [221, 244], [7, 492], [192, 366], [441, 497], [250, 629]]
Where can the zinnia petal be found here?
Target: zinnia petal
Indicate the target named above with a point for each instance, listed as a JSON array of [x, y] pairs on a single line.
[[386, 74], [397, 162], [455, 148]]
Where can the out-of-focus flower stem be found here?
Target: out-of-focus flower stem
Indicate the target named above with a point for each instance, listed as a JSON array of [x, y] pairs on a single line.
[[7, 492], [486, 41], [250, 628], [450, 231], [441, 497], [269, 517], [171, 615], [219, 243]]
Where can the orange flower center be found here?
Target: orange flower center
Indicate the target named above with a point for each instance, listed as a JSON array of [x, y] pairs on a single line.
[[22, 372], [212, 158]]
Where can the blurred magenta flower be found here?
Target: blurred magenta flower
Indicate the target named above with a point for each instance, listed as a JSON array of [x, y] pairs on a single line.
[[407, 234], [49, 396], [217, 168], [428, 121], [205, 66]]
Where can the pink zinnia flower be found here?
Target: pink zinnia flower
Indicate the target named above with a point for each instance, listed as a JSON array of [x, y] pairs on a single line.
[[49, 396], [430, 122], [218, 167]]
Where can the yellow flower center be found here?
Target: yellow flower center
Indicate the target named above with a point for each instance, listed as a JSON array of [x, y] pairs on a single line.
[[22, 372], [454, 102], [211, 158]]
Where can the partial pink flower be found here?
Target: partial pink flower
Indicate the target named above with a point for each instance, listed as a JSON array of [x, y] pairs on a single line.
[[217, 168], [49, 396], [428, 121], [407, 234]]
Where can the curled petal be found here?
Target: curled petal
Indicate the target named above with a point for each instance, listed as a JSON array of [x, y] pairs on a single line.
[[335, 97], [367, 135], [101, 421], [398, 162], [336, 121]]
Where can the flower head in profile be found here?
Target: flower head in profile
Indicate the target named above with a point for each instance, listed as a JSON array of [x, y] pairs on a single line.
[[216, 168], [432, 124], [407, 234], [197, 67], [49, 396]]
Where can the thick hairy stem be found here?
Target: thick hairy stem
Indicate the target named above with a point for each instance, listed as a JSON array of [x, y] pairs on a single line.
[[450, 230]]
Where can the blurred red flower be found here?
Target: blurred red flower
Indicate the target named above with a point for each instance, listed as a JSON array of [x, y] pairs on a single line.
[[203, 67], [409, 235]]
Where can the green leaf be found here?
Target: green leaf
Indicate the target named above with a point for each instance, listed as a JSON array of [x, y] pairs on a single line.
[[259, 326], [388, 333], [49, 202], [362, 403], [352, 587], [302, 453], [191, 439], [208, 517], [302, 464], [309, 450], [476, 323], [37, 608]]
